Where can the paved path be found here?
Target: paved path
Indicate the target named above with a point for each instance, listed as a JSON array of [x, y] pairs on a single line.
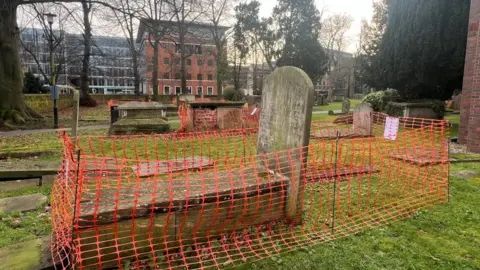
[[36, 131]]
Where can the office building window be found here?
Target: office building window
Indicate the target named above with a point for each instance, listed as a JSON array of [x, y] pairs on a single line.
[[166, 90], [178, 90], [189, 76], [210, 63], [177, 48], [210, 77], [166, 61], [178, 76], [199, 77], [199, 90], [210, 90], [166, 75], [189, 89], [189, 62], [199, 62]]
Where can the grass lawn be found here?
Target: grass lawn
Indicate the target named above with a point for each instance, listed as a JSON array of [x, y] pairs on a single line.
[[455, 121], [442, 237], [337, 105], [446, 236]]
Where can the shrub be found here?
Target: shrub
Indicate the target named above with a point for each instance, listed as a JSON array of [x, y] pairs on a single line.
[[437, 106], [375, 99], [394, 110], [232, 95], [32, 84], [380, 99]]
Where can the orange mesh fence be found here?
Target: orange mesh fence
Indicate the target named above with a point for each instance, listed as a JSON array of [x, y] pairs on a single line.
[[209, 200]]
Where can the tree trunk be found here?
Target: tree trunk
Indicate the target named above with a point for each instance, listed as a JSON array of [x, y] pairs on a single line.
[[12, 103], [183, 59], [220, 67], [136, 75], [155, 69], [85, 98]]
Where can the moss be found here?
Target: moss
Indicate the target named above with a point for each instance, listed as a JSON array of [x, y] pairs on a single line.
[[21, 256]]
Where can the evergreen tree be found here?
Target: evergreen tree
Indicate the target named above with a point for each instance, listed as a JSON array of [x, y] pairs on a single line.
[[422, 52], [298, 24], [31, 84]]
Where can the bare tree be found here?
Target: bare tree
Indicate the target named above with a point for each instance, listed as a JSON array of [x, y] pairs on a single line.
[[333, 38], [32, 48], [11, 77], [218, 11], [186, 13], [127, 19], [333, 34], [153, 11]]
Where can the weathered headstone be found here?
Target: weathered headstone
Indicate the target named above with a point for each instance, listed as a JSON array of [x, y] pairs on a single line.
[[285, 120], [457, 102], [346, 106], [363, 119]]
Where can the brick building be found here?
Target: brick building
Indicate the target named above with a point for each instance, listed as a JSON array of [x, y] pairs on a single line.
[[469, 130], [200, 61]]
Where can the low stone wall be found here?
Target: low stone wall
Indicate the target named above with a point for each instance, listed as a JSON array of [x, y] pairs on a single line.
[[358, 96], [42, 102], [103, 99]]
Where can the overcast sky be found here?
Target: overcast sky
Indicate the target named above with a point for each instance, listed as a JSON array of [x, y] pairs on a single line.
[[359, 9]]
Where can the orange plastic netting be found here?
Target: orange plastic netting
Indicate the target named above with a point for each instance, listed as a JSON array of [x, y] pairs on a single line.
[[208, 200]]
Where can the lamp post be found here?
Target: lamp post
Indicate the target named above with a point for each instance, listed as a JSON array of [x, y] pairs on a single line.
[[53, 87]]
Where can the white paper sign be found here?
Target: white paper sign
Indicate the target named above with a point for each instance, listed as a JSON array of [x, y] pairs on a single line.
[[391, 128]]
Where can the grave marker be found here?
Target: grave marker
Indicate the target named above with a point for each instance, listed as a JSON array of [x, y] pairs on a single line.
[[285, 120], [346, 106], [362, 119]]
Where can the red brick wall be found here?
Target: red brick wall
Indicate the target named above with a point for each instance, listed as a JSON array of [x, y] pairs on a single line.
[[204, 118], [173, 67], [469, 129]]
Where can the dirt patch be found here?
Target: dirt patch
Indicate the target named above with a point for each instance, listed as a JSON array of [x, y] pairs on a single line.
[[26, 154], [465, 174]]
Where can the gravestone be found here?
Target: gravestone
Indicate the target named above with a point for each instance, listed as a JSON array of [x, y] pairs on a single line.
[[363, 119], [285, 120], [457, 102], [346, 106]]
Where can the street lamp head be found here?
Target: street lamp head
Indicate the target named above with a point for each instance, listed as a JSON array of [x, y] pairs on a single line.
[[50, 17]]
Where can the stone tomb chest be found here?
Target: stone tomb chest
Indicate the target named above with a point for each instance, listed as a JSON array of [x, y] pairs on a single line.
[[140, 118]]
